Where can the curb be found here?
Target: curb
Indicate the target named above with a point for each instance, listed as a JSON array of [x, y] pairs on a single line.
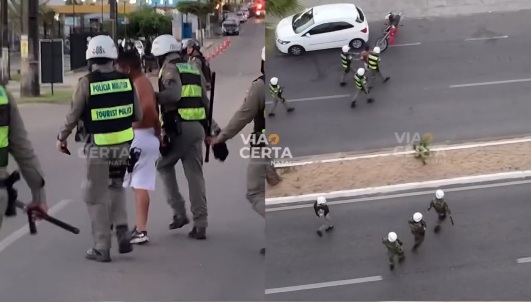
[[345, 156], [400, 187]]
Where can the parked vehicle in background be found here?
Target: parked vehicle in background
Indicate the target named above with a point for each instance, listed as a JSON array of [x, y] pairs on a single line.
[[322, 27], [241, 16], [230, 27]]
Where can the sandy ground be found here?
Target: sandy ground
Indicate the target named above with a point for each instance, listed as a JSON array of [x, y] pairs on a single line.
[[362, 173]]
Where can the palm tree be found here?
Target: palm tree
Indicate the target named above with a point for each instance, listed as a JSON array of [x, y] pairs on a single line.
[[15, 14], [278, 9]]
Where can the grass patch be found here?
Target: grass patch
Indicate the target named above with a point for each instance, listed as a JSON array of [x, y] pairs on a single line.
[[59, 97], [15, 77]]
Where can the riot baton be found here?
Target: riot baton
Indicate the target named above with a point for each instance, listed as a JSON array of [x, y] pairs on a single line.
[[209, 118], [46, 217], [452, 220]]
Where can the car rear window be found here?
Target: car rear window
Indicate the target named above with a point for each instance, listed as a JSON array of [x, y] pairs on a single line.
[[361, 17]]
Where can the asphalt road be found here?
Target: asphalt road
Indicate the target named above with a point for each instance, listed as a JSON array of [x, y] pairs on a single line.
[[225, 267], [475, 260], [431, 57]]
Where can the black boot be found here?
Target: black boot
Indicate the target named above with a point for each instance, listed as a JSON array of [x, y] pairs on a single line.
[[329, 228], [391, 266], [178, 222], [123, 235], [353, 104], [386, 79], [370, 100], [271, 114], [342, 83], [289, 110], [320, 233], [198, 233], [262, 251], [437, 228], [99, 255]]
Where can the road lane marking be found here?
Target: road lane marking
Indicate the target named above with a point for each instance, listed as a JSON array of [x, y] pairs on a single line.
[[405, 44], [24, 230], [524, 260], [487, 38], [490, 83], [393, 196], [314, 98], [322, 285]]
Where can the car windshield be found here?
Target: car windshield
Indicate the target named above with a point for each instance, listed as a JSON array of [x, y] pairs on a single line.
[[229, 25], [302, 21]]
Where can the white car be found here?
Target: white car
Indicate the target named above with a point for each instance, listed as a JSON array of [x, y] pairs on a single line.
[[322, 27], [242, 16]]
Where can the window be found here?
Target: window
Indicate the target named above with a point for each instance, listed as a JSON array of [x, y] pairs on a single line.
[[339, 26], [361, 17], [321, 29], [302, 21]]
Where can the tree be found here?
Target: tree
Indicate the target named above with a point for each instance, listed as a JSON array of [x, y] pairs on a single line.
[[199, 9], [278, 9], [15, 14], [147, 23]]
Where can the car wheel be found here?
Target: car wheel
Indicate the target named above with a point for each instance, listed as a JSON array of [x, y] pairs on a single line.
[[237, 34], [356, 43], [296, 50]]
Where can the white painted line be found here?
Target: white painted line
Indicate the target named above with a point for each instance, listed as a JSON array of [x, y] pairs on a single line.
[[400, 187], [24, 230], [323, 285], [524, 260], [294, 162], [490, 83], [402, 195], [487, 38], [314, 98], [405, 44]]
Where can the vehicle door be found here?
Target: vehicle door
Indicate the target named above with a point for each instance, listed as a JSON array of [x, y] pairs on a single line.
[[341, 33], [317, 37]]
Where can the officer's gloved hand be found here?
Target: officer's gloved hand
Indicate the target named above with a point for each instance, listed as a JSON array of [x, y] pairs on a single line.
[[220, 150]]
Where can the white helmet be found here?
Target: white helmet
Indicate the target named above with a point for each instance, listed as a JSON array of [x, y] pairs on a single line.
[[387, 16], [345, 48], [361, 71], [101, 47], [417, 217], [263, 54], [392, 237], [321, 200], [439, 194], [165, 44], [274, 81], [376, 50]]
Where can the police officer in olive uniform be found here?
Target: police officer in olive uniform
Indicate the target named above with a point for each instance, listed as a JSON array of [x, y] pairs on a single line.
[[252, 109], [418, 229], [107, 103], [14, 140], [192, 47], [394, 248], [184, 106], [361, 83], [441, 207], [374, 65], [346, 61], [322, 211]]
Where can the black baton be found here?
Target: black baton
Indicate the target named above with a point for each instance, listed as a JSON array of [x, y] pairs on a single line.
[[209, 118], [46, 217]]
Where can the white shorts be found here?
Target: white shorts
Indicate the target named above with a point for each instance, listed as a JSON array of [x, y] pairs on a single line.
[[145, 171]]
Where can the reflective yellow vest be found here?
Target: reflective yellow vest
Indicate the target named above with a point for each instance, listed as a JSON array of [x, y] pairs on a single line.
[[360, 81], [345, 60], [109, 114], [4, 127], [274, 90], [374, 61]]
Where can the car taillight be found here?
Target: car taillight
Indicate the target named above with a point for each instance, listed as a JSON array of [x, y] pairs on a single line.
[[259, 6], [364, 30]]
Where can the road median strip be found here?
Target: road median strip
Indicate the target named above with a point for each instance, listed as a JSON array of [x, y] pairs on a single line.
[[348, 176]]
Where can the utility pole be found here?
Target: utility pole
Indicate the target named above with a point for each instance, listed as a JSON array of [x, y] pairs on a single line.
[[29, 84], [113, 15], [4, 43]]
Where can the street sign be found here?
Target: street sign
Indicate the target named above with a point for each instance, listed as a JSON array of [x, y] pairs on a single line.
[[51, 62]]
